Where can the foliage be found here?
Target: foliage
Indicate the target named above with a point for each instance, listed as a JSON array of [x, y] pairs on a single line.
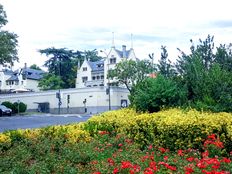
[[207, 75], [173, 128], [34, 66], [130, 72], [50, 81], [15, 106], [165, 66], [153, 94], [8, 42], [19, 107], [9, 105], [105, 153]]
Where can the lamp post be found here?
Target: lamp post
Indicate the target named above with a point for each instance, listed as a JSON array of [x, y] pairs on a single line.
[[108, 89], [58, 95]]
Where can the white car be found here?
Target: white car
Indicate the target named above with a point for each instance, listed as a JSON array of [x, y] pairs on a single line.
[[5, 110]]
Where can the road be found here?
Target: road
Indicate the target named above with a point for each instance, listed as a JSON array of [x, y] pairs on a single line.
[[36, 121]]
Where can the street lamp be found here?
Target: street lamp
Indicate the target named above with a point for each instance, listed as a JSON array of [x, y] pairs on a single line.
[[108, 89]]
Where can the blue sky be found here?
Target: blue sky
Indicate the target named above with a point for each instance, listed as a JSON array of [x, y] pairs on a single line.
[[88, 24]]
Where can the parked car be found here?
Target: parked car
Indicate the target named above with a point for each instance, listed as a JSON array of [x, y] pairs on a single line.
[[5, 110]]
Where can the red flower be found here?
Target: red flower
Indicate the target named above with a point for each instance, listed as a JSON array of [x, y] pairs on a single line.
[[153, 166], [97, 173], [212, 137], [148, 171], [190, 159], [225, 160], [120, 145], [173, 168], [110, 161], [188, 170], [115, 170], [165, 158], [136, 168], [180, 152], [162, 150], [201, 165], [150, 147], [103, 132], [126, 165]]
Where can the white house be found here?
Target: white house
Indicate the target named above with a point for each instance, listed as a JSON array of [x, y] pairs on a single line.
[[92, 74], [23, 79]]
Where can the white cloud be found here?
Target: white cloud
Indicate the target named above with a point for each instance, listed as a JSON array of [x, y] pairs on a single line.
[[85, 25]]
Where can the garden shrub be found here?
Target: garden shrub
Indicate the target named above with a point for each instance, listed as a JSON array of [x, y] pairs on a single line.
[[9, 105], [153, 94], [20, 107], [173, 128]]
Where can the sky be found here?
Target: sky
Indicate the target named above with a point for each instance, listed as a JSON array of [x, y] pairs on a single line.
[[88, 25]]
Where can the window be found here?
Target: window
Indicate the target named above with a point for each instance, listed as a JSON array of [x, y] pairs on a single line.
[[112, 60], [21, 82], [84, 79], [16, 82], [93, 78], [98, 77], [84, 69], [102, 76]]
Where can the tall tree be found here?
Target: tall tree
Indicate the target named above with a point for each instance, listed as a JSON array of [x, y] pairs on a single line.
[[60, 62], [8, 42], [165, 66]]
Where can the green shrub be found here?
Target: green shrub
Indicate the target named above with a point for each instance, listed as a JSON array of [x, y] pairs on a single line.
[[153, 94], [20, 107], [9, 105]]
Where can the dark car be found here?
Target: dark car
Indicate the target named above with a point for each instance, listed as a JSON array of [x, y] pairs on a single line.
[[5, 110]]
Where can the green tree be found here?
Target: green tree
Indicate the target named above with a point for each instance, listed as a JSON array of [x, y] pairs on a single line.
[[50, 81], [152, 94], [165, 66], [60, 62], [130, 72], [8, 42], [34, 66], [207, 75]]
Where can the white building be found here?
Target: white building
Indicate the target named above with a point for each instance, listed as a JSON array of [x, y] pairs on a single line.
[[23, 79], [92, 74]]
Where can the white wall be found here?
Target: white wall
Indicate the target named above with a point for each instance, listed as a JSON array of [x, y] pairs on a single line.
[[97, 100]]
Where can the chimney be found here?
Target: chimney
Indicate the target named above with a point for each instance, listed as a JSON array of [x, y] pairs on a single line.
[[124, 51], [25, 65]]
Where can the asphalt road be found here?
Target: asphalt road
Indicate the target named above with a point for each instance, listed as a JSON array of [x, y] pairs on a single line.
[[36, 121]]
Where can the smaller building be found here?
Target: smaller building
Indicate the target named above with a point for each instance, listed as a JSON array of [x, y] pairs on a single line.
[[21, 80]]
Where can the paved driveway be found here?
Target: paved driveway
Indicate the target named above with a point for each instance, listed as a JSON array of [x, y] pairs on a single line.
[[36, 121]]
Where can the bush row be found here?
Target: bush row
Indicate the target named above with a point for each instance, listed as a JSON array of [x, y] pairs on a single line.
[[173, 128], [16, 107]]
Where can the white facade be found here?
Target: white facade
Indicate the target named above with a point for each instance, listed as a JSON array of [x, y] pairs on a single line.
[[21, 79], [92, 74]]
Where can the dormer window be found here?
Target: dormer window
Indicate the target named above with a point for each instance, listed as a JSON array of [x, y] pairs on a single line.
[[113, 60], [84, 69]]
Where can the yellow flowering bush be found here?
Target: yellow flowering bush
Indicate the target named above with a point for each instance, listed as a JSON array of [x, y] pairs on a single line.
[[173, 128]]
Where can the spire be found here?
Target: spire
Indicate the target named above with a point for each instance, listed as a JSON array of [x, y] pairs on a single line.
[[131, 41], [113, 40]]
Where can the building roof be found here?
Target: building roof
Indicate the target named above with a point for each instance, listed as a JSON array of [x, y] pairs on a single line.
[[120, 53], [7, 72], [13, 78], [97, 66], [33, 73]]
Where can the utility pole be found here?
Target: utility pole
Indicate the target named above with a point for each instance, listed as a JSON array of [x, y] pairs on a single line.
[[108, 84]]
